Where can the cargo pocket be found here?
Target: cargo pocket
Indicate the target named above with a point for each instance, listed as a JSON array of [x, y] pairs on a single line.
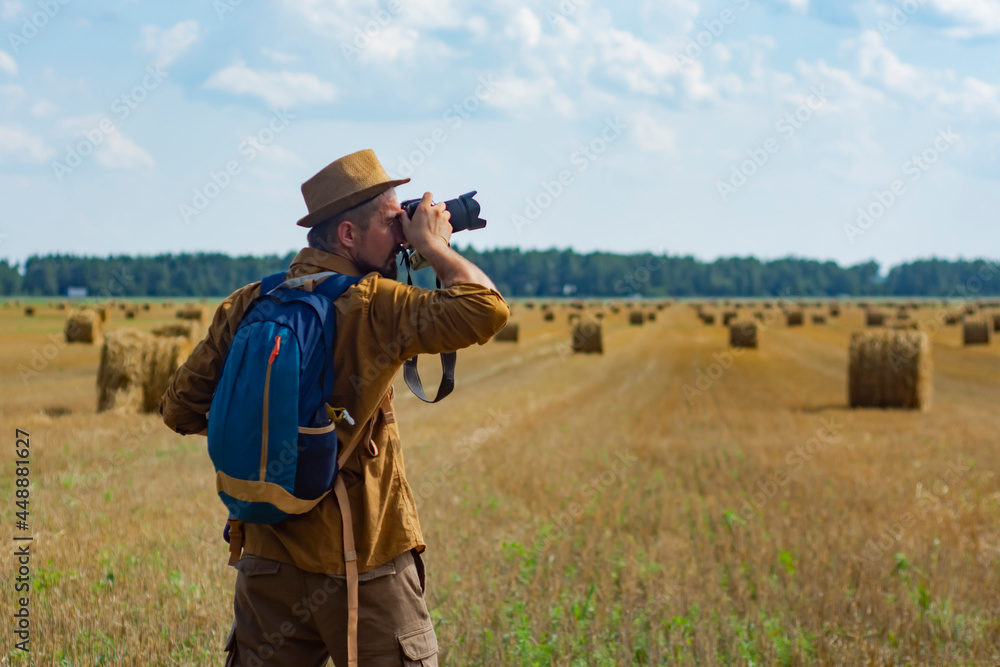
[[419, 646], [230, 648], [251, 566]]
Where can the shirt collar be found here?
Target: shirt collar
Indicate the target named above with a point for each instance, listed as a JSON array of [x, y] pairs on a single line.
[[310, 259]]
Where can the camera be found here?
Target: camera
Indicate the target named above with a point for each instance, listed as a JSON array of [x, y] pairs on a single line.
[[464, 211]]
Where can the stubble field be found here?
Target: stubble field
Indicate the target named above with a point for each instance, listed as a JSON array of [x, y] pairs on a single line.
[[667, 502]]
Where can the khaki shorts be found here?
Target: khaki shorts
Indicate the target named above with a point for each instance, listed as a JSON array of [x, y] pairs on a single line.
[[286, 616]]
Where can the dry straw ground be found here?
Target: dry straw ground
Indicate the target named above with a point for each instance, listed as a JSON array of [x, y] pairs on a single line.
[[667, 502]]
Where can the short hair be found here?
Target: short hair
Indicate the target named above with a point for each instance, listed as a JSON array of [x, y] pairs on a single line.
[[324, 235]]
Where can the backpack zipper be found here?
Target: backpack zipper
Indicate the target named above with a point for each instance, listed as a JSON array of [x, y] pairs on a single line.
[[267, 392]]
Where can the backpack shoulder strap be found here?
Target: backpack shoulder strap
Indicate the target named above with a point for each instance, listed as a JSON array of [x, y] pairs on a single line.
[[268, 283]]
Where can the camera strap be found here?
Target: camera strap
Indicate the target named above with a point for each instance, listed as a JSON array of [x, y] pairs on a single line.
[[410, 373]]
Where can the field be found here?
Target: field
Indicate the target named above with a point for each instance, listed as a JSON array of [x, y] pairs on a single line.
[[671, 501]]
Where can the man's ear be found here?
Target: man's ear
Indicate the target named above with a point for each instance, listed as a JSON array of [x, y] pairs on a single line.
[[347, 234]]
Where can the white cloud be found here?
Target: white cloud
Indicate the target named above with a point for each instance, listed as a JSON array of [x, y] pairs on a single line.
[[281, 89], [120, 152], [7, 63], [11, 9], [167, 45], [975, 17], [799, 5], [524, 27], [282, 157], [279, 56], [42, 108], [21, 145], [934, 88], [651, 135]]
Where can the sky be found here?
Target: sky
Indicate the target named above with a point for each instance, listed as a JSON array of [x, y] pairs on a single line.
[[834, 130]]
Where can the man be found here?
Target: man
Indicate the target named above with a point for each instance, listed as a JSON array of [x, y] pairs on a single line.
[[290, 601]]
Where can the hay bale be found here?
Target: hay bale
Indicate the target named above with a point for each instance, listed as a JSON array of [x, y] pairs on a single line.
[[587, 338], [509, 333], [136, 368], [104, 314], [728, 317], [163, 356], [651, 316], [196, 314], [636, 318], [834, 311], [549, 316], [890, 369], [573, 317], [977, 332], [707, 318], [29, 310], [818, 319], [952, 319], [795, 318], [996, 323], [187, 328], [874, 318], [122, 371], [903, 314], [130, 314], [743, 334], [83, 326], [146, 306], [599, 315]]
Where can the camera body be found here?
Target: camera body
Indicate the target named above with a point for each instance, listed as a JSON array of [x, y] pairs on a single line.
[[464, 211], [464, 215]]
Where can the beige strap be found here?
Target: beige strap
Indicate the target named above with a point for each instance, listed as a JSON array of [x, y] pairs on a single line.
[[350, 551], [265, 492], [235, 540]]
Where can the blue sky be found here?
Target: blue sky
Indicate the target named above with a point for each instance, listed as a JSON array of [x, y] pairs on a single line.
[[834, 130]]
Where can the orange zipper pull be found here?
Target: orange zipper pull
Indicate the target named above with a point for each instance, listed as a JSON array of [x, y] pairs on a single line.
[[274, 352]]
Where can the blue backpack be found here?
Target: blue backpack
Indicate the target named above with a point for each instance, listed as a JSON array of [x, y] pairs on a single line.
[[271, 434]]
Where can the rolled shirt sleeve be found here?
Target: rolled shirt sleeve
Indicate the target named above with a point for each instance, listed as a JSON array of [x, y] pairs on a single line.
[[434, 321]]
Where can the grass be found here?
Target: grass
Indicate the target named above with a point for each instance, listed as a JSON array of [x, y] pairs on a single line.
[[578, 510]]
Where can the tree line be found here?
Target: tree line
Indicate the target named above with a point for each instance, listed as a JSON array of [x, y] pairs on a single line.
[[522, 273]]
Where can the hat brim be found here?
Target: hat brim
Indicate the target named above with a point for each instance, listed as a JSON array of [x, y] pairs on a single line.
[[347, 202]]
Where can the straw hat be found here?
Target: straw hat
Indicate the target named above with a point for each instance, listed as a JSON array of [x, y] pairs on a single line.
[[343, 184]]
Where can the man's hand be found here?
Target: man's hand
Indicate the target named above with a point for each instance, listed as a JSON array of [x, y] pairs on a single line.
[[430, 227]]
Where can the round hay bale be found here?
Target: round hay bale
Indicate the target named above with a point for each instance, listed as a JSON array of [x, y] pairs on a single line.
[[708, 318], [573, 317], [758, 315], [599, 315], [996, 323], [890, 369], [549, 316], [818, 319], [163, 356], [146, 306], [103, 313], [61, 305], [83, 326], [903, 314], [728, 317], [795, 318], [131, 313], [187, 328], [509, 333], [29, 310], [196, 314], [743, 334], [636, 318], [874, 318], [977, 332], [952, 319], [651, 316], [122, 371], [136, 368], [587, 338]]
